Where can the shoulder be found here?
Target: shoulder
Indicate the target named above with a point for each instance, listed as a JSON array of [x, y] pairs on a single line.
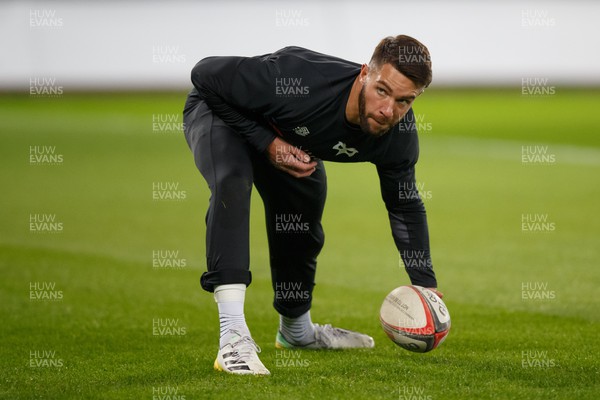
[[302, 53], [295, 56]]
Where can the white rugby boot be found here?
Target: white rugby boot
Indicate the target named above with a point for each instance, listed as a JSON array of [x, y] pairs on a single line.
[[328, 337], [240, 356]]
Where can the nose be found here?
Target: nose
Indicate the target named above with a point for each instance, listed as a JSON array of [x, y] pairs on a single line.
[[387, 110]]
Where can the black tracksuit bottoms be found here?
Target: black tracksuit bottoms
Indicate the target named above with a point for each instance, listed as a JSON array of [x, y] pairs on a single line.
[[293, 209]]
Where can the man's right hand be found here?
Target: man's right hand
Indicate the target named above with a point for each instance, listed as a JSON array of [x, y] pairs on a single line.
[[290, 159]]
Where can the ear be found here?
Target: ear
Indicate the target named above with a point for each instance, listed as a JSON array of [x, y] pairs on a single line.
[[364, 71]]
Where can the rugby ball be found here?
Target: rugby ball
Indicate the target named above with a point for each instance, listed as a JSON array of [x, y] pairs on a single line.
[[415, 318]]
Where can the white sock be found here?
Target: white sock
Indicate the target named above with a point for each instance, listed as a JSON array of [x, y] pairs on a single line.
[[298, 331], [230, 301]]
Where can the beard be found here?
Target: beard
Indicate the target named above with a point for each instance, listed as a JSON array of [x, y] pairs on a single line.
[[363, 117]]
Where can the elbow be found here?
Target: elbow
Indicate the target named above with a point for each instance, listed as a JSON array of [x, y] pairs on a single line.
[[198, 72], [201, 72]]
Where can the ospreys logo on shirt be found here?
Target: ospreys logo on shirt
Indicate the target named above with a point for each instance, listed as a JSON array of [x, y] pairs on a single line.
[[343, 149]]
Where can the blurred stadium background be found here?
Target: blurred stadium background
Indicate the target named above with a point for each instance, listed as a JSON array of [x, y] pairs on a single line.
[[126, 44], [101, 224]]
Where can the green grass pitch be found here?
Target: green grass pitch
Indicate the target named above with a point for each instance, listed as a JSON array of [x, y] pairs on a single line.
[[524, 302]]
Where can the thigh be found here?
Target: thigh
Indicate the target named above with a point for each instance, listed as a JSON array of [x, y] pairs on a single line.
[[219, 152]]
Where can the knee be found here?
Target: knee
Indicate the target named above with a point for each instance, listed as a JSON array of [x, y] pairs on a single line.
[[318, 240], [232, 186], [230, 199]]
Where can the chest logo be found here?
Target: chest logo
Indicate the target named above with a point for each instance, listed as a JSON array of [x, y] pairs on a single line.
[[342, 149], [301, 130]]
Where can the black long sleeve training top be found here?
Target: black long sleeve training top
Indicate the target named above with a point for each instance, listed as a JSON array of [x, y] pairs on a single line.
[[301, 95]]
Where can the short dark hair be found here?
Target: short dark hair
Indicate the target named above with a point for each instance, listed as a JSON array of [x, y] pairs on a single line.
[[407, 55]]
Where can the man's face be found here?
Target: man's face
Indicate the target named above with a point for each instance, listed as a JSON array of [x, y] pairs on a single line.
[[385, 97]]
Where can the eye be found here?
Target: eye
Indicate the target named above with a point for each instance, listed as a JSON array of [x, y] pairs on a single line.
[[380, 91]]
